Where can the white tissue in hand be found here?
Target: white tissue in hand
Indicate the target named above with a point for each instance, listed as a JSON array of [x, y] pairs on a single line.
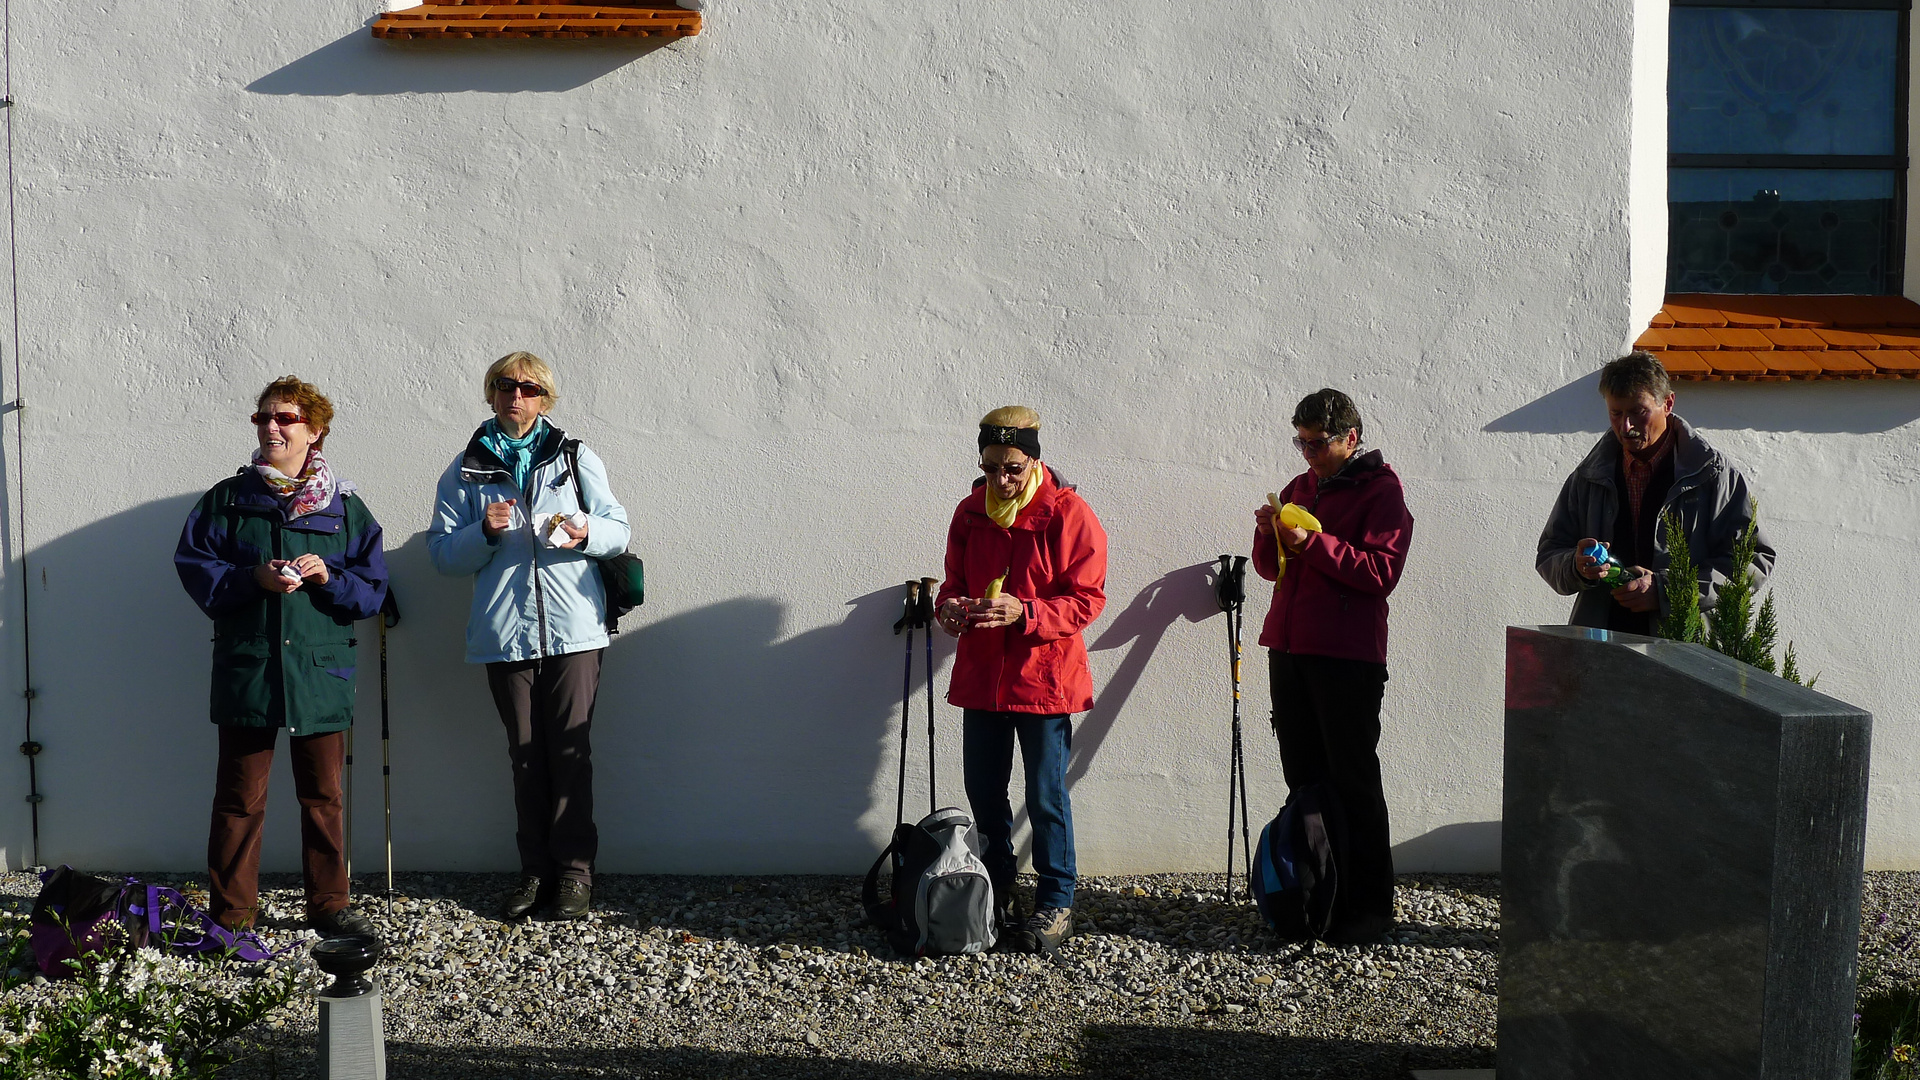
[[289, 573], [552, 535]]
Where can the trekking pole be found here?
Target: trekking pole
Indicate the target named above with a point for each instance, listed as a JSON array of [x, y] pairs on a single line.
[[389, 617], [349, 801], [1239, 745], [929, 586], [1230, 593], [908, 618]]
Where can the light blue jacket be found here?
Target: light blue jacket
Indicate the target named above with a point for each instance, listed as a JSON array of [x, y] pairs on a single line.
[[529, 600]]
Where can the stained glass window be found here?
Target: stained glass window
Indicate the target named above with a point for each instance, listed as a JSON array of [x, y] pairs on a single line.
[[1787, 143]]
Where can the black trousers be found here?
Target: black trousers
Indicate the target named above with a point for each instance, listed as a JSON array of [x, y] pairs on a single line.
[[1326, 713], [547, 708]]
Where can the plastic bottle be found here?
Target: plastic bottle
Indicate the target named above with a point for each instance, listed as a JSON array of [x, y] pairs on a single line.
[[1614, 575]]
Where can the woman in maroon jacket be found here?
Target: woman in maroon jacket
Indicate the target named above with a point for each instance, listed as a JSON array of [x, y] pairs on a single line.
[[1327, 639], [1021, 667]]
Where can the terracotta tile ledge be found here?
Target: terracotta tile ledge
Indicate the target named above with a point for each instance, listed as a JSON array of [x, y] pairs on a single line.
[[460, 19], [1705, 336]]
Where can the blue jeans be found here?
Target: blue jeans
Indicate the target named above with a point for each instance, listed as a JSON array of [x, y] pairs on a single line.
[[987, 750]]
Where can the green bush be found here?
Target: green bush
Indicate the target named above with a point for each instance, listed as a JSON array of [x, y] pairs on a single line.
[[1734, 627], [130, 1013]]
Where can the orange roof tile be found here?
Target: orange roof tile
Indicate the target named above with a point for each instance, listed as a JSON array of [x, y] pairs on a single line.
[[1685, 365], [1894, 362], [535, 19], [1845, 364], [1678, 337], [1710, 336], [1847, 339], [1736, 365], [1734, 338], [1794, 338], [1691, 315]]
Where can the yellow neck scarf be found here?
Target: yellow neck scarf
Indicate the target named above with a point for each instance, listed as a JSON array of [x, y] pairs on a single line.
[[1004, 511]]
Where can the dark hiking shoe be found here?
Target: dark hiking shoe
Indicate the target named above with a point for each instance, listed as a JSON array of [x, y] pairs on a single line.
[[524, 899], [343, 923], [1365, 930], [1007, 924], [1044, 930], [569, 901]]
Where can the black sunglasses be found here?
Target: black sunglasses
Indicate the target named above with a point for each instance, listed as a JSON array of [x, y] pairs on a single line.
[[506, 385]]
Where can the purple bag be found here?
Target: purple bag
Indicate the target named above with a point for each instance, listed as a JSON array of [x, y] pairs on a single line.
[[78, 915]]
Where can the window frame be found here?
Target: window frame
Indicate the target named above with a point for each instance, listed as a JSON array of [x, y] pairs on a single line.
[[1897, 161]]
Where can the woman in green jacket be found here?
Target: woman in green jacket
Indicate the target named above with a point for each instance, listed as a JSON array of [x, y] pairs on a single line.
[[284, 559]]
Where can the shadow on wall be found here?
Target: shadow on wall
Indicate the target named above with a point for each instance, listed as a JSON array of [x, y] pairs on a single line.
[[1183, 593], [1857, 407], [361, 64], [730, 749], [1466, 847]]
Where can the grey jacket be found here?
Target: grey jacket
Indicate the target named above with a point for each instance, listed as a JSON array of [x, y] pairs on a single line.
[[1708, 493]]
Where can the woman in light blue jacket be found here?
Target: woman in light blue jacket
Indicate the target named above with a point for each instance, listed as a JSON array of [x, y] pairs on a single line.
[[527, 511]]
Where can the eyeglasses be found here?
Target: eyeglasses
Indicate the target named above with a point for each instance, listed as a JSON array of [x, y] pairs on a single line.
[[1316, 446], [505, 385], [1010, 469], [284, 419]]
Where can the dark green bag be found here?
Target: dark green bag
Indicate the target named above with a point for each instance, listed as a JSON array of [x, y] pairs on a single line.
[[624, 576]]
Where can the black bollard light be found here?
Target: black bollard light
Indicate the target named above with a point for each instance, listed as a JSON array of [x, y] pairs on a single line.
[[352, 1044]]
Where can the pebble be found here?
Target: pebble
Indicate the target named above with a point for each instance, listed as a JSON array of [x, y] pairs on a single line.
[[776, 977]]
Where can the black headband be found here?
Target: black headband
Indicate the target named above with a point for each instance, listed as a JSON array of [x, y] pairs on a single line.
[[1020, 438]]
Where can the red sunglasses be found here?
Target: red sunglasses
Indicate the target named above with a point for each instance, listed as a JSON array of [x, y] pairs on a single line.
[[284, 419]]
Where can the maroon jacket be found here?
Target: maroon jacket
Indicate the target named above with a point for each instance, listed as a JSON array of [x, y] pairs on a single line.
[[1056, 559], [1333, 600]]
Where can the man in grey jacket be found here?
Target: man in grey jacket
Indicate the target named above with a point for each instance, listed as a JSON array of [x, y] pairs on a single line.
[[1649, 463]]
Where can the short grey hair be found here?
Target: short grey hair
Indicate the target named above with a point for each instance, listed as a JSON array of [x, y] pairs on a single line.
[[1633, 373]]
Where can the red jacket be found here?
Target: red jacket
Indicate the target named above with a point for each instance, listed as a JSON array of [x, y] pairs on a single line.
[[1333, 599], [1057, 555]]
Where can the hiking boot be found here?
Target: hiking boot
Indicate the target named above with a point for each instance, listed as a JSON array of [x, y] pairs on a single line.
[[1044, 930], [524, 899], [345, 922], [569, 901]]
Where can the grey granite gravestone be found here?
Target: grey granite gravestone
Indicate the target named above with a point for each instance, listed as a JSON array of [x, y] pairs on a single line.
[[1681, 854]]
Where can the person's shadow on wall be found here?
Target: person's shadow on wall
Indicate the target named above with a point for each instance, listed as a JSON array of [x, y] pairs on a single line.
[[718, 746]]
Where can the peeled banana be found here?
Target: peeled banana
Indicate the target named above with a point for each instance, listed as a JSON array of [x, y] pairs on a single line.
[[1291, 516]]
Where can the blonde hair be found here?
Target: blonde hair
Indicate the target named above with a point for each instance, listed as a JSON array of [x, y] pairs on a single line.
[[522, 365], [1013, 416]]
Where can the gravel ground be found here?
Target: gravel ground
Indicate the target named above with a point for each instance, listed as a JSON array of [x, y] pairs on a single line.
[[775, 977]]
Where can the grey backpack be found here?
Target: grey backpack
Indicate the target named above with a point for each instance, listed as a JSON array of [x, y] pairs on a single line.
[[941, 902]]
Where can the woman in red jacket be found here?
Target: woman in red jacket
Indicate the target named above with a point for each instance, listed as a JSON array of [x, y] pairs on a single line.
[[1327, 639], [1021, 666]]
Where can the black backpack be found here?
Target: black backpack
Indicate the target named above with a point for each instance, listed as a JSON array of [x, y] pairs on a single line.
[[623, 576], [1296, 866]]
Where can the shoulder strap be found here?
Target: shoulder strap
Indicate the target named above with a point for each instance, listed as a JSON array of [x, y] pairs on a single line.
[[870, 889], [571, 448]]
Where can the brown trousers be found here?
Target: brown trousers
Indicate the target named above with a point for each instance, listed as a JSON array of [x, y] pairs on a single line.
[[240, 812], [547, 708]]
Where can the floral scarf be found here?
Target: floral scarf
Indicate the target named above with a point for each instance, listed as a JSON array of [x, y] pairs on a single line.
[[312, 490]]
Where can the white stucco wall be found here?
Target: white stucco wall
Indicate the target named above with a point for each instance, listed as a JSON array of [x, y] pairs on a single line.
[[782, 269], [1647, 199]]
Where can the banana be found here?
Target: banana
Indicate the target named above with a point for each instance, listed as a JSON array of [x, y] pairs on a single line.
[[993, 587]]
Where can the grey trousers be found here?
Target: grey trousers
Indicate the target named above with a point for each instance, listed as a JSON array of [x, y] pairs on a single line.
[[547, 708]]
